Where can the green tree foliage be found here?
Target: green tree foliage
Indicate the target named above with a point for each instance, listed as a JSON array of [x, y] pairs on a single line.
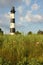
[[1, 32], [29, 32], [17, 32], [40, 32]]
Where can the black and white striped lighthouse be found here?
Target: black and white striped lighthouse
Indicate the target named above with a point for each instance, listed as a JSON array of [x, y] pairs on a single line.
[[12, 21]]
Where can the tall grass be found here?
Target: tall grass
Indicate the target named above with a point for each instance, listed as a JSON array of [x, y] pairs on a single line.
[[20, 49]]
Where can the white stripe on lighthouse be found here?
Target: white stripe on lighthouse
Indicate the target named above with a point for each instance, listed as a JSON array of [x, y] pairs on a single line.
[[12, 25], [12, 16]]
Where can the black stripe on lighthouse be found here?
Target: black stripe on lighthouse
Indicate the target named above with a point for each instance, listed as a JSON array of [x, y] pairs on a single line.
[[12, 29], [12, 21]]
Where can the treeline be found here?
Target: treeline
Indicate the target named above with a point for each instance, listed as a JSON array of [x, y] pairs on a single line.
[[17, 32], [30, 32], [39, 32]]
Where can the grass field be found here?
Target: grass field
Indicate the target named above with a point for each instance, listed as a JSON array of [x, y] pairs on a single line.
[[21, 50]]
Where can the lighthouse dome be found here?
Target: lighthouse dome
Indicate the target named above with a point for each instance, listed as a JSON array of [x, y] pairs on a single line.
[[13, 10]]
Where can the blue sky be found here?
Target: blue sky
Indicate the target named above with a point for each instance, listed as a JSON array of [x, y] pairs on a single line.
[[28, 16]]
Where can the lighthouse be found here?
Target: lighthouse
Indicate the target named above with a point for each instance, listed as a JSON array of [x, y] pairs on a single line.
[[12, 21]]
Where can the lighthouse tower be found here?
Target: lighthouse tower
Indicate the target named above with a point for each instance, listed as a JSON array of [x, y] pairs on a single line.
[[12, 21]]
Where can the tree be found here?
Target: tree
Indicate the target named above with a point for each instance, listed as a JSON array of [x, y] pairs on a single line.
[[30, 32], [17, 32], [1, 32], [40, 32]]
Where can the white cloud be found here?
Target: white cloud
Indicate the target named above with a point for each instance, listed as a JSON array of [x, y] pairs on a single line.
[[35, 6], [20, 9], [29, 13], [7, 3], [7, 16], [19, 24], [37, 17], [27, 1], [21, 18], [29, 17], [0, 21], [4, 22]]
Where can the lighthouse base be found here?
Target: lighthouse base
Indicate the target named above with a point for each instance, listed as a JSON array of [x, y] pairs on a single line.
[[11, 33]]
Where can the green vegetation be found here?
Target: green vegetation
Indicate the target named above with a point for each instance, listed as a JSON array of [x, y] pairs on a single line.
[[21, 50], [1, 32]]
